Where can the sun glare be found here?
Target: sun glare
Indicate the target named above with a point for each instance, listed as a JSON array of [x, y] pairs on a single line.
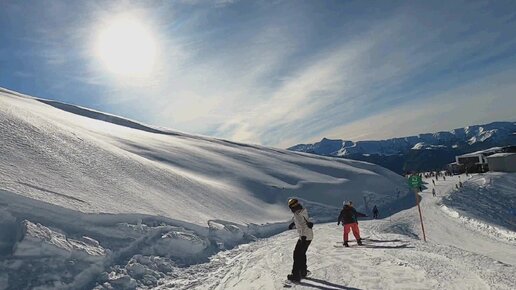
[[126, 47]]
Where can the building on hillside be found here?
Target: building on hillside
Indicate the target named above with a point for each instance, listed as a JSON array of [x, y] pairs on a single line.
[[455, 168], [504, 162], [477, 161], [473, 162]]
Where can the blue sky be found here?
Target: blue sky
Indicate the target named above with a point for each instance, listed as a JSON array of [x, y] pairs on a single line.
[[276, 72]]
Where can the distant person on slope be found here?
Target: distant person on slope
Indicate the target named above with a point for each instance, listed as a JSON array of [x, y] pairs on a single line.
[[349, 218], [375, 212], [433, 191], [304, 229]]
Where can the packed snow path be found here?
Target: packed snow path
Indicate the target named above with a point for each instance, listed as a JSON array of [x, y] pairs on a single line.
[[455, 257]]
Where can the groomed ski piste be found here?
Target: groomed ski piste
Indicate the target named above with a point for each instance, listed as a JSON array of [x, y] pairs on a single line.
[[94, 201], [465, 249]]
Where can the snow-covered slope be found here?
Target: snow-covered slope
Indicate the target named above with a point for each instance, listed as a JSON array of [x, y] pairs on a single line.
[[394, 256], [84, 193], [92, 165], [487, 202]]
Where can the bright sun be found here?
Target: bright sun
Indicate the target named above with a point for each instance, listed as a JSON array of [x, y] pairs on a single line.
[[126, 47]]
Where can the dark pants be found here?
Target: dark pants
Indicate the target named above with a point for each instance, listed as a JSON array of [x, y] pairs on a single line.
[[300, 257], [375, 215]]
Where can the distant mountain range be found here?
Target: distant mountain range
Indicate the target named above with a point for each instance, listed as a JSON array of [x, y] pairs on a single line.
[[416, 153]]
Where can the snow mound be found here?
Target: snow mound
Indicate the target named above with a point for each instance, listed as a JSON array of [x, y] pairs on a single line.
[[98, 163], [480, 226], [38, 240], [486, 203], [69, 249]]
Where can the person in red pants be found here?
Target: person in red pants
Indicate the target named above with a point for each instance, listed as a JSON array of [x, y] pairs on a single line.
[[349, 218]]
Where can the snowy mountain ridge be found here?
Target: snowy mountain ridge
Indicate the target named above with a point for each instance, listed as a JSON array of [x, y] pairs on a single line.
[[424, 152], [456, 138]]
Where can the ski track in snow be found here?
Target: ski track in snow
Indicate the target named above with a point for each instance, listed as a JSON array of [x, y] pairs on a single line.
[[455, 257]]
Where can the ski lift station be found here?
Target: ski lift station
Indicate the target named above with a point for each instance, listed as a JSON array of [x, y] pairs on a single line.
[[504, 162], [492, 159]]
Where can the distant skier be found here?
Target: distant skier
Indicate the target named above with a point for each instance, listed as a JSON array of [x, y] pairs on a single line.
[[304, 228], [433, 191], [433, 181], [348, 217], [375, 212]]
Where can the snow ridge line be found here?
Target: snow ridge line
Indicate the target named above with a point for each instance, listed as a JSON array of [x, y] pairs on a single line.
[[474, 224]]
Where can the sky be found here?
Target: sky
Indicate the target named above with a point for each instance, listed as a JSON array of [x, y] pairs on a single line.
[[276, 73]]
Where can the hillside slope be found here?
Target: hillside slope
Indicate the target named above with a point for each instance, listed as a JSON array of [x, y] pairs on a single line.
[[82, 160], [89, 199]]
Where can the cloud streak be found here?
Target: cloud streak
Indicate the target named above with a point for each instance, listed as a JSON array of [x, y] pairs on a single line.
[[280, 73], [475, 102]]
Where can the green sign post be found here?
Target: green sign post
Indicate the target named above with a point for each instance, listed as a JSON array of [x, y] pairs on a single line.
[[415, 182]]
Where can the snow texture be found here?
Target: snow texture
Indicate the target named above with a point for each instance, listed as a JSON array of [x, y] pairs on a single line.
[[83, 160], [394, 255], [94, 201], [88, 198]]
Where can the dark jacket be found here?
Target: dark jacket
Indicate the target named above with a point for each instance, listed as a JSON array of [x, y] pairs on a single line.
[[348, 215]]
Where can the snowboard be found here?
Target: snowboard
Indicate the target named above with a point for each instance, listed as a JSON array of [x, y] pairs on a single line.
[[370, 245], [353, 245], [289, 284]]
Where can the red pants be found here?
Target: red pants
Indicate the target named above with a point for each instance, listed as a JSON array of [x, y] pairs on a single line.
[[354, 228]]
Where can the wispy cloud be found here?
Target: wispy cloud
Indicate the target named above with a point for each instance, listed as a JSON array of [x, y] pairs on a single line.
[[381, 69], [280, 73], [476, 102]]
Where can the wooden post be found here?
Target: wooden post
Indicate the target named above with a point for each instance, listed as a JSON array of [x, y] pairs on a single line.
[[420, 215]]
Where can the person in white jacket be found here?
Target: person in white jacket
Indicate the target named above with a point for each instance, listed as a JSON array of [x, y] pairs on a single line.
[[302, 223]]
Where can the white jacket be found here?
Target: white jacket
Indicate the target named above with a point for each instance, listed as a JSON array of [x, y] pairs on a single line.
[[300, 220]]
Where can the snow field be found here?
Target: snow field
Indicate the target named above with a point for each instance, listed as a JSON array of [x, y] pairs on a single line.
[[87, 198], [382, 265], [93, 201], [394, 257], [486, 203], [76, 158]]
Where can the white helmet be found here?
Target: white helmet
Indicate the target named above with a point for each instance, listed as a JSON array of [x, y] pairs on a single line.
[[346, 202]]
